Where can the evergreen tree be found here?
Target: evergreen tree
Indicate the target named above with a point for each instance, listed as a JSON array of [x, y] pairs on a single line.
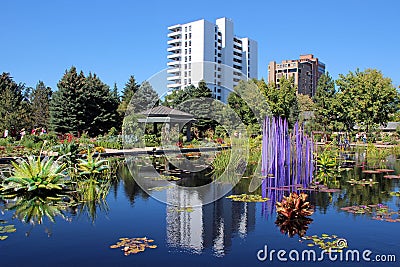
[[145, 98], [14, 107], [131, 87], [100, 109], [40, 101], [66, 106]]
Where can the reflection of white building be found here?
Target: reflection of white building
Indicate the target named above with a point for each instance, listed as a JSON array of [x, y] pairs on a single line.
[[192, 44], [209, 226], [184, 229]]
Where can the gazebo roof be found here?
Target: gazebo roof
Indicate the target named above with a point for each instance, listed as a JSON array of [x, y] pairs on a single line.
[[163, 111], [165, 114]]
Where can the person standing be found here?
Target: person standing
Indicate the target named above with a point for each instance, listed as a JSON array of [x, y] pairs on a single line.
[[22, 133], [364, 138], [5, 133]]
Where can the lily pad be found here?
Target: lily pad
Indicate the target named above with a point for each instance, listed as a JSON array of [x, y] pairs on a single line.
[[396, 194], [184, 209], [248, 198], [134, 245], [326, 242], [160, 188], [6, 229]]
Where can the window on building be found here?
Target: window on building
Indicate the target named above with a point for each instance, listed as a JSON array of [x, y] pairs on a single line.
[[190, 73], [185, 59], [219, 97], [190, 35], [185, 44], [190, 65], [185, 29], [190, 43], [190, 58], [190, 50], [185, 51], [190, 27], [190, 81], [185, 35]]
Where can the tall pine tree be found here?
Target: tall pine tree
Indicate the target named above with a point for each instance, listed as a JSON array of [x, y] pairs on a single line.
[[131, 87], [100, 110], [66, 106], [40, 102], [14, 108]]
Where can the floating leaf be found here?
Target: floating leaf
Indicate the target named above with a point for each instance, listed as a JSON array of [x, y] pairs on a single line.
[[134, 245], [248, 198]]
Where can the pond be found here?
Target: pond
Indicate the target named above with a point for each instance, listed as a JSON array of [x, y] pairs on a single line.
[[221, 233]]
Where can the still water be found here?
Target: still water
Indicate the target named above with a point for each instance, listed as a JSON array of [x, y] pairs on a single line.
[[222, 233]]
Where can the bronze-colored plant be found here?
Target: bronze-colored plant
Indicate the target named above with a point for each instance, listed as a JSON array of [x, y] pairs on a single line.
[[294, 206]]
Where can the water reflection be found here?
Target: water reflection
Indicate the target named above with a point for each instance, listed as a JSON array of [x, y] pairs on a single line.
[[209, 226]]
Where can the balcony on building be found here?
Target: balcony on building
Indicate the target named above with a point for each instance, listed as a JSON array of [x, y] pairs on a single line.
[[173, 78], [175, 85], [174, 41], [173, 70]]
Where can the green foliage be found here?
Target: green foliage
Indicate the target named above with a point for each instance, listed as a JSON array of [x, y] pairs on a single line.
[[36, 175], [40, 102], [282, 100], [145, 98], [90, 167], [131, 87], [368, 97], [83, 104], [99, 111], [325, 113], [327, 167], [151, 140], [249, 103], [34, 209], [66, 106], [68, 152], [14, 107]]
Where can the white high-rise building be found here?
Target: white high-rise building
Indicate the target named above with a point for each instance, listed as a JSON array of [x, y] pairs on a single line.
[[201, 50]]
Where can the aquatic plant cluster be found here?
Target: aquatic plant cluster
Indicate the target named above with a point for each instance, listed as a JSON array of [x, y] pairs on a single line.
[[38, 188], [134, 245], [378, 212]]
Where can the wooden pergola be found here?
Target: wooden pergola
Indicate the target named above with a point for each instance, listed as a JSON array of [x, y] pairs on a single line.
[[167, 116]]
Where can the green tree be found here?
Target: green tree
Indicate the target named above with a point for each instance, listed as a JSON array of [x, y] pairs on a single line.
[[40, 101], [370, 98], [282, 100], [325, 103], [145, 98], [131, 87], [100, 107], [249, 102], [14, 107], [66, 106]]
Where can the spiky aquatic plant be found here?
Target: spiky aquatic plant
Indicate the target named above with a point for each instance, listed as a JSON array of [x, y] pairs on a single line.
[[92, 166], [294, 206], [36, 175]]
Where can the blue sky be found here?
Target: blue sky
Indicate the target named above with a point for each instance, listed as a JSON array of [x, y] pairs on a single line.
[[114, 39]]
